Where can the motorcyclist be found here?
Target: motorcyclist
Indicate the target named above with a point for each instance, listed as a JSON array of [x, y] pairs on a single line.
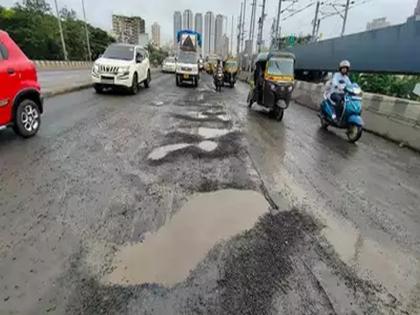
[[219, 67], [218, 74], [258, 80], [339, 81]]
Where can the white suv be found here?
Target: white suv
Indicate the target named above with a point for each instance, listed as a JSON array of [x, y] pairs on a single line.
[[122, 65]]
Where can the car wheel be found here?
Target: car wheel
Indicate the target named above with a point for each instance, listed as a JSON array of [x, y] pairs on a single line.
[[147, 81], [27, 119], [134, 85], [98, 88]]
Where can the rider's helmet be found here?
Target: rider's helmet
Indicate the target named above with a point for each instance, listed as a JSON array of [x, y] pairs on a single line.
[[344, 64]]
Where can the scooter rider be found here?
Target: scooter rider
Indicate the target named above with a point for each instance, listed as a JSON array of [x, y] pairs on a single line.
[[339, 81], [219, 67]]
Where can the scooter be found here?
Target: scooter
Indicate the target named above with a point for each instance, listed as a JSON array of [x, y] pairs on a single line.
[[350, 117], [218, 81]]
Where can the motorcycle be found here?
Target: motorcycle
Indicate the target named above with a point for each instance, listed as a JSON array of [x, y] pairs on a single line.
[[218, 81], [350, 116]]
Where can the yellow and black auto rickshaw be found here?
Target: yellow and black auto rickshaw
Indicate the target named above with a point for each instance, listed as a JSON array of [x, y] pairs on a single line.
[[274, 82], [230, 71]]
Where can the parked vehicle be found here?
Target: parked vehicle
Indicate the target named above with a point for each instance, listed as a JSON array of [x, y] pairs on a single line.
[[273, 82], [122, 65], [21, 103], [169, 65], [230, 71], [348, 116]]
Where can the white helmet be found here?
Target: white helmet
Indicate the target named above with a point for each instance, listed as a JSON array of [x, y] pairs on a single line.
[[345, 64]]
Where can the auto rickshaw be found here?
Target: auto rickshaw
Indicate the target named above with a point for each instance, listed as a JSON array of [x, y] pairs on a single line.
[[274, 82], [230, 71]]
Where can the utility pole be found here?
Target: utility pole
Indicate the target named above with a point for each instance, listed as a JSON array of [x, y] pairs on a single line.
[[277, 31], [63, 43], [346, 12], [87, 33], [231, 39], [238, 44], [261, 27], [316, 21], [252, 24], [243, 27]]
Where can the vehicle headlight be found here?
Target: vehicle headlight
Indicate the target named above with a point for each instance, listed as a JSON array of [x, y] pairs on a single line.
[[123, 70], [95, 68], [290, 88], [273, 87]]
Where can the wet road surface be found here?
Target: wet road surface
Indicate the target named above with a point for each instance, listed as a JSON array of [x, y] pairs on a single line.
[[109, 210]]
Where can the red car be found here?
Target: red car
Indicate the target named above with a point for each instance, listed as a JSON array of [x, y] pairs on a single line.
[[21, 103]]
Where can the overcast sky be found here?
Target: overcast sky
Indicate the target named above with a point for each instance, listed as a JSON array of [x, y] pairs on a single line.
[[99, 13]]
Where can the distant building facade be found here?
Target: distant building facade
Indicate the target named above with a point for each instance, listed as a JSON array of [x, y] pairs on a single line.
[[156, 34], [187, 20], [377, 24], [128, 29], [177, 24], [218, 37], [198, 23], [209, 32], [225, 47]]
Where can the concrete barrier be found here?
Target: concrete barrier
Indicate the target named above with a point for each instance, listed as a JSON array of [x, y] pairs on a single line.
[[61, 65], [393, 118]]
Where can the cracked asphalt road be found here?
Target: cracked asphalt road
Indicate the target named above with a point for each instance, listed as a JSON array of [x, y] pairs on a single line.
[[110, 175]]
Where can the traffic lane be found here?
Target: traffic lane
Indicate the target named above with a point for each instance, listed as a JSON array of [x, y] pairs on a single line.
[[53, 79], [56, 187], [366, 194]]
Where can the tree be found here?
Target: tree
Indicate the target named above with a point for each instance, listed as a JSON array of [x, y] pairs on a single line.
[[36, 6]]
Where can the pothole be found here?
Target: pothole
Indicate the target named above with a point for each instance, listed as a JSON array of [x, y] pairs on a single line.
[[208, 146], [167, 256], [209, 133], [160, 153]]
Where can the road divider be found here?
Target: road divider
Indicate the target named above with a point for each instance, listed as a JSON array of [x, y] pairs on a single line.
[[390, 117], [61, 65]]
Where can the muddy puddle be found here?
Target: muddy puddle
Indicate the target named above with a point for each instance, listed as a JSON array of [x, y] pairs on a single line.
[[207, 146], [399, 272], [167, 256], [209, 133], [161, 152]]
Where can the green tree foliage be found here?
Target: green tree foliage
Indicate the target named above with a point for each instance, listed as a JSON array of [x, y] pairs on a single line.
[[157, 55], [34, 28], [392, 85]]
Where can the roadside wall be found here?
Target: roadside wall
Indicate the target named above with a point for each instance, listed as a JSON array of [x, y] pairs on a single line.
[[393, 118], [61, 65]]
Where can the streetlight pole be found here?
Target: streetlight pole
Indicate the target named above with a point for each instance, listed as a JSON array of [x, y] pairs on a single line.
[[261, 27], [231, 39], [346, 12], [278, 22], [316, 21], [60, 27], [87, 33]]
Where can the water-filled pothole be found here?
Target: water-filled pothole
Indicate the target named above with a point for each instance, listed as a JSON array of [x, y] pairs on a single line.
[[167, 256]]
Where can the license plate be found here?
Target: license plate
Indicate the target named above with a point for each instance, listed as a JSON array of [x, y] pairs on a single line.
[[107, 80], [186, 76]]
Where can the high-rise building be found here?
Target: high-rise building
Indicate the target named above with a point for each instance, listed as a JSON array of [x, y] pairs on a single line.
[[177, 24], [417, 10], [225, 47], [156, 34], [209, 28], [198, 23], [128, 29], [187, 20], [377, 24], [218, 37]]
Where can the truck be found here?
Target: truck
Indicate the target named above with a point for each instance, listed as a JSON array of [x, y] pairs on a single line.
[[187, 68]]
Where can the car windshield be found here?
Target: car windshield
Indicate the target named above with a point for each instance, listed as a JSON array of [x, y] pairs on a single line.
[[231, 64], [280, 66], [119, 52], [170, 60], [187, 58]]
